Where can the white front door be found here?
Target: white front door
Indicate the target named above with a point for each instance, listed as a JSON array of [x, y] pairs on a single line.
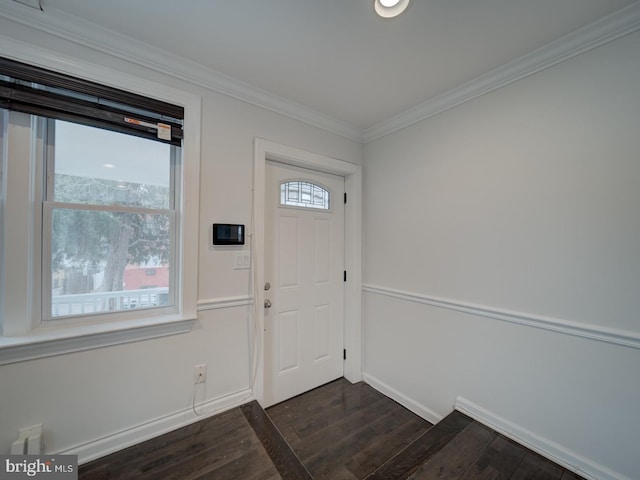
[[304, 265]]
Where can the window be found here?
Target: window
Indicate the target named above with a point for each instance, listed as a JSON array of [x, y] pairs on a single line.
[[304, 194], [109, 209], [92, 212]]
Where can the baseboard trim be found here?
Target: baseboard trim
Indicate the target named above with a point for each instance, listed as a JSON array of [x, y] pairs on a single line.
[[545, 447], [417, 408], [131, 436], [569, 327]]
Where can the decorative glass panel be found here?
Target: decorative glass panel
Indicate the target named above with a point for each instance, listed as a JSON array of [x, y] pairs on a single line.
[[304, 194]]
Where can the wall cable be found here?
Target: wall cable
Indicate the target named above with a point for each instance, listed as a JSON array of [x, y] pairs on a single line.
[[253, 317]]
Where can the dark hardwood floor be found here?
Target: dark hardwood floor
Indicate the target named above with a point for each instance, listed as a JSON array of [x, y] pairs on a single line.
[[340, 431], [221, 447], [345, 431]]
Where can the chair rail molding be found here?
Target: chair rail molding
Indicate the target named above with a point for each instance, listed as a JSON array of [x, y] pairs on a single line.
[[226, 302], [569, 327]]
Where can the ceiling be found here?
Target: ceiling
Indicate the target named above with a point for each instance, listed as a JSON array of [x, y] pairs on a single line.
[[336, 56]]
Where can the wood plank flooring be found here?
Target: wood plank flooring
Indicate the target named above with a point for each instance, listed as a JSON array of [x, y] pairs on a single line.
[[221, 447], [344, 431], [340, 431]]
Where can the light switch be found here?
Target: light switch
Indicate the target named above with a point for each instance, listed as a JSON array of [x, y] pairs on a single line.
[[243, 261]]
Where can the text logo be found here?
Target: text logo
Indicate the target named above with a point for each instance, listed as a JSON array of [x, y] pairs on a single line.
[[49, 467]]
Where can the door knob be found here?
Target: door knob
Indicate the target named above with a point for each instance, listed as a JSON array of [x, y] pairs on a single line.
[[267, 303]]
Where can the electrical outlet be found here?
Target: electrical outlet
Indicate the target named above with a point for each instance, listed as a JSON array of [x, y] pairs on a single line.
[[30, 431], [30, 441], [199, 374]]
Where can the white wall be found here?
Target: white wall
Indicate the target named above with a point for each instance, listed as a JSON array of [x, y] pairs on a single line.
[[522, 200], [520, 206], [94, 401]]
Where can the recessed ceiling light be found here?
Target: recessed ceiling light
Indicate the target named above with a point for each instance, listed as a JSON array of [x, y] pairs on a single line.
[[109, 165], [390, 8]]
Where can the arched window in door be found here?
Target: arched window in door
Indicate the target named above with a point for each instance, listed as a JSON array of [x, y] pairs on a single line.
[[298, 193]]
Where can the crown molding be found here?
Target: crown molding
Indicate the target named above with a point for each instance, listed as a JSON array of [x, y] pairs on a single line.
[[73, 29], [79, 31], [600, 32]]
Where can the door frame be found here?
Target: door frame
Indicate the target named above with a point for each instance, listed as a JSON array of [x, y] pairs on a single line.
[[265, 150]]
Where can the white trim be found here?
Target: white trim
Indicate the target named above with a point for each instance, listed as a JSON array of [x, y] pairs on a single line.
[[417, 408], [228, 302], [600, 32], [545, 447], [266, 150], [82, 32], [125, 438], [569, 327], [68, 27], [23, 156], [48, 342]]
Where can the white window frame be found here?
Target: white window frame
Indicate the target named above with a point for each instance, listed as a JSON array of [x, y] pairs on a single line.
[[24, 339], [3, 187], [45, 319]]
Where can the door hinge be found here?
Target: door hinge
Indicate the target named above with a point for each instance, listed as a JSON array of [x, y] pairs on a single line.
[[344, 354], [345, 275], [345, 198]]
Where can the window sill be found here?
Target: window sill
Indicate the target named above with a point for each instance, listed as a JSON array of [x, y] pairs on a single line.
[[48, 342]]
